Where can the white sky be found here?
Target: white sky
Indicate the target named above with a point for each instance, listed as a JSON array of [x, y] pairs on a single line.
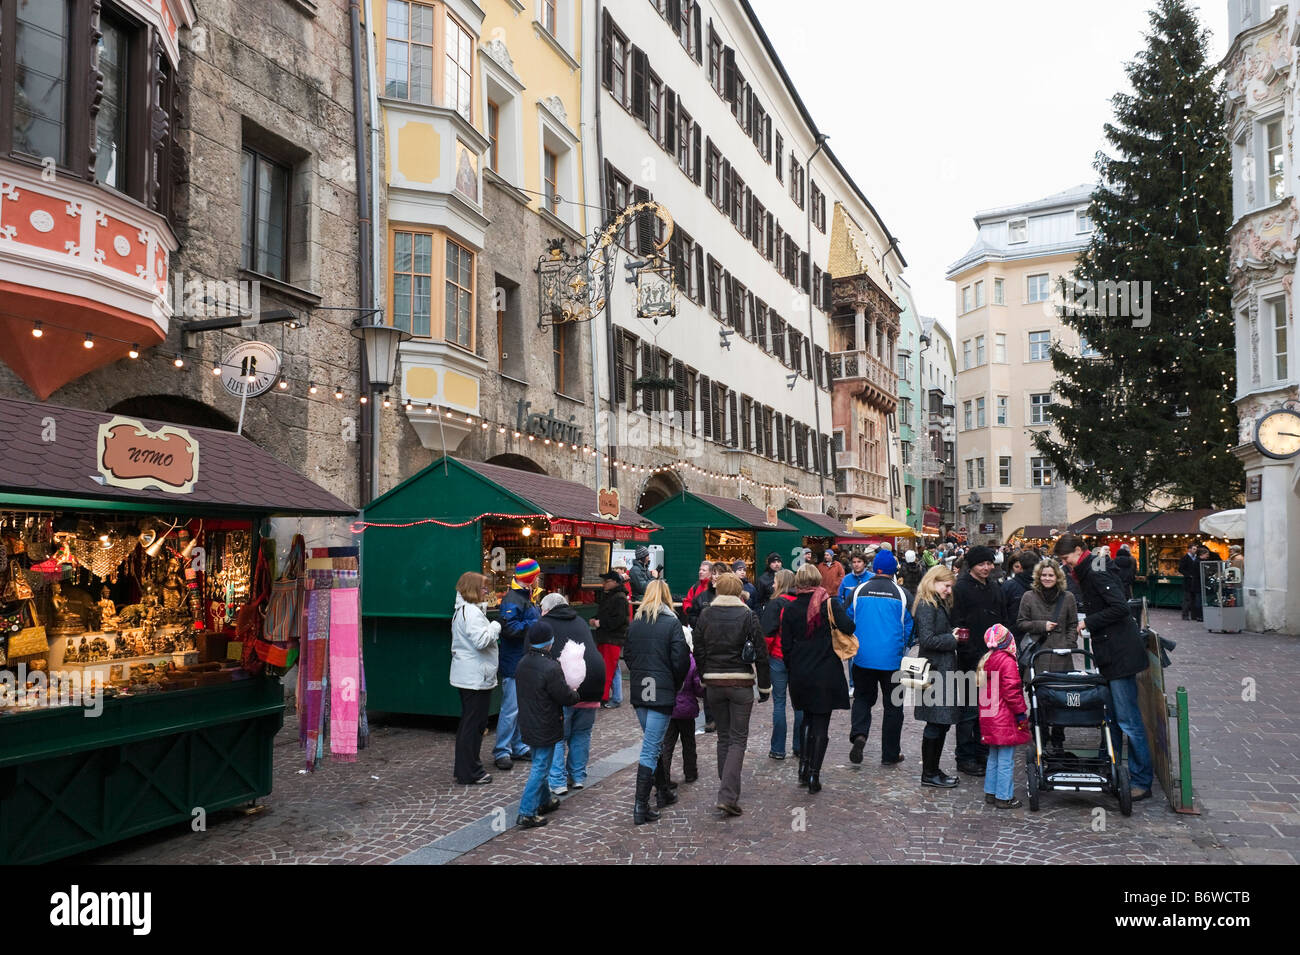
[[941, 108]]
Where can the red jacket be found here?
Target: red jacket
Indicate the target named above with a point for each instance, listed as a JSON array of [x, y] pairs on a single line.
[[1001, 701], [699, 588]]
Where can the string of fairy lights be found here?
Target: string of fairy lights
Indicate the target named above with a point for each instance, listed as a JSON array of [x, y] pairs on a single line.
[[285, 384]]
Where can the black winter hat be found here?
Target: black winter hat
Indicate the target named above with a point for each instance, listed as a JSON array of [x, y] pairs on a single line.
[[978, 555], [774, 556]]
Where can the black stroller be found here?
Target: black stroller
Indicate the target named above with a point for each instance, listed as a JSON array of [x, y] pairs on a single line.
[[1073, 699]]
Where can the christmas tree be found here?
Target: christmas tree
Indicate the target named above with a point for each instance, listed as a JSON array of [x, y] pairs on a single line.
[[1147, 410]]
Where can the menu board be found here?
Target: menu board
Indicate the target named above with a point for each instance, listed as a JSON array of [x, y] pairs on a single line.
[[595, 561]]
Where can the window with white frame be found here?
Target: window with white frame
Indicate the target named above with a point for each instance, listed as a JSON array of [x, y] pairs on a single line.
[[1279, 338], [965, 299], [1040, 472], [1038, 288], [1002, 409], [966, 415], [558, 149], [504, 122], [979, 472], [980, 420], [979, 350], [965, 354], [970, 472], [458, 68], [1274, 159], [1040, 346], [1000, 348], [979, 294], [1082, 221], [999, 293], [1086, 350], [1017, 231], [1004, 471], [1038, 405]]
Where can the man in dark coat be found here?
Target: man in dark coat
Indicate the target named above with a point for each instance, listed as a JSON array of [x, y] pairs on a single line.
[[610, 624], [1126, 570], [1190, 568], [978, 604], [543, 694], [641, 573], [749, 592], [1117, 650], [766, 581]]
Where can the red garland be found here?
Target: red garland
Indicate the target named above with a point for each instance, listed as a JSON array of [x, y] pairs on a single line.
[[359, 527]]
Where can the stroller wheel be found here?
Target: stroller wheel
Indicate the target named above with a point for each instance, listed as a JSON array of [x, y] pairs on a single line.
[[1031, 775], [1125, 791]]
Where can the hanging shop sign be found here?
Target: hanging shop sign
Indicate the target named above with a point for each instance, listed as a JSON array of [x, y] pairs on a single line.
[[1104, 525], [129, 455], [655, 293], [250, 369], [547, 425], [607, 503], [1255, 487], [770, 517]]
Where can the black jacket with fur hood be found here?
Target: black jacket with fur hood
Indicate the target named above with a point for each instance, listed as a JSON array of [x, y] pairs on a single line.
[[719, 638]]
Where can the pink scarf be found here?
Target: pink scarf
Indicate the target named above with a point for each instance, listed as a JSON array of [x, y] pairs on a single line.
[[345, 674]]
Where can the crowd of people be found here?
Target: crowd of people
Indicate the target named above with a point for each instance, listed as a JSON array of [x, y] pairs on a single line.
[[831, 635]]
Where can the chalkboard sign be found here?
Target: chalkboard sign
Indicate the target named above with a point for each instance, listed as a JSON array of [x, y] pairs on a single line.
[[595, 561]]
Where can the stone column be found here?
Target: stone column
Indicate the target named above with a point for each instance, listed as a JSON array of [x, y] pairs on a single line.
[[859, 328]]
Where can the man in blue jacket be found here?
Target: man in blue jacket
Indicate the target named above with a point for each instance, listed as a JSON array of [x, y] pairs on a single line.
[[881, 611], [518, 612], [858, 574]]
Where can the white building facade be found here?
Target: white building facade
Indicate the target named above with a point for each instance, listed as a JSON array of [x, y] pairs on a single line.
[[1262, 95]]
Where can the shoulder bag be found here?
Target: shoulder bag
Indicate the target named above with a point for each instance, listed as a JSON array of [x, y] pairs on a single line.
[[845, 644], [914, 672]]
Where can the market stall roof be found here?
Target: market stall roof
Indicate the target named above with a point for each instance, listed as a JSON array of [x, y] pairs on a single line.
[[49, 456], [1230, 525], [564, 500], [743, 513], [814, 523], [720, 512], [1037, 532], [882, 526], [1124, 523], [1176, 523]]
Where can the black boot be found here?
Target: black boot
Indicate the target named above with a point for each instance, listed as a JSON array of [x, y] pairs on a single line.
[[816, 748], [664, 794], [805, 758], [931, 774], [641, 811]]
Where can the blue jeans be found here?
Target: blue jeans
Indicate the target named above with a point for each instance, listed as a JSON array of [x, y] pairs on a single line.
[[508, 741], [1124, 694], [536, 791], [1000, 772], [578, 722], [616, 686], [780, 679], [654, 724]]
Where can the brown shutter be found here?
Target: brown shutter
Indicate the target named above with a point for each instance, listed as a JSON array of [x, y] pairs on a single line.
[[670, 122], [734, 420], [760, 320], [827, 290], [729, 75], [807, 357], [673, 12], [699, 275], [695, 151], [679, 388], [706, 406], [647, 368], [607, 39], [695, 26], [780, 438], [726, 187], [645, 224], [620, 372], [639, 85], [729, 296], [708, 177]]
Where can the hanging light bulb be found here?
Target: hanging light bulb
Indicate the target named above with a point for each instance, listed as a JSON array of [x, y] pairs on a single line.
[[134, 352], [216, 368], [178, 361], [338, 394], [311, 387], [89, 341], [364, 399], [37, 330], [283, 384], [387, 403]]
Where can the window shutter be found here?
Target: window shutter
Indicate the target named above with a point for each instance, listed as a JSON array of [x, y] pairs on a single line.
[[760, 442], [645, 224], [827, 289], [647, 368], [729, 296], [607, 38], [638, 83], [760, 318], [673, 11], [726, 187], [620, 371], [698, 36], [733, 437], [699, 275], [670, 122], [706, 406], [780, 439], [807, 358], [679, 391], [729, 75], [695, 147]]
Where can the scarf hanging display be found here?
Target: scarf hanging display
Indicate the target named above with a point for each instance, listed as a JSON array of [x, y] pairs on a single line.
[[312, 666], [345, 673]]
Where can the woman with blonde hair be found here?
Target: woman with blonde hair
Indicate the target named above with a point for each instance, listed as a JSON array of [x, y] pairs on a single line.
[[473, 673], [1049, 616], [817, 684], [657, 663], [938, 644]]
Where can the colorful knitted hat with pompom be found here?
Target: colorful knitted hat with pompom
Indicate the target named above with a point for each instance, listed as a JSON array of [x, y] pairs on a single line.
[[526, 570]]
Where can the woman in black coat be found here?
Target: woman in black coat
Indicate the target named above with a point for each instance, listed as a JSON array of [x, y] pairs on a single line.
[[816, 674], [936, 643], [657, 661]]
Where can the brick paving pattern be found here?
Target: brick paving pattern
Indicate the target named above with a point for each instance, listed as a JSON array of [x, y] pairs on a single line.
[[1244, 763]]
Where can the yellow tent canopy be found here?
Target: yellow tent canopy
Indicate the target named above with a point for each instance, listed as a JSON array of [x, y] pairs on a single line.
[[878, 525]]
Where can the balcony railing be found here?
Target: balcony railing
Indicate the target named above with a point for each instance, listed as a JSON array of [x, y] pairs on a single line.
[[848, 365], [859, 483]]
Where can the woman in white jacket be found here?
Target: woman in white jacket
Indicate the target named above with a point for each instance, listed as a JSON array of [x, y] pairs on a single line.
[[473, 672]]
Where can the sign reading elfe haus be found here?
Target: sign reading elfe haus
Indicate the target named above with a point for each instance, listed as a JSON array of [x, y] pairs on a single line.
[[129, 455]]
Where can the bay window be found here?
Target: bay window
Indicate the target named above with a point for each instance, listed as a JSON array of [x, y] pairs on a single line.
[[408, 52], [420, 261], [460, 294], [458, 68]]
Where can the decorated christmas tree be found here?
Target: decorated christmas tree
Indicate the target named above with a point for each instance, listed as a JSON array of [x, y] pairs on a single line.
[[1145, 408]]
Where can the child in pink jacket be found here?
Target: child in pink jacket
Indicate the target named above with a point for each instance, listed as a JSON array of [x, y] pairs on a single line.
[[1004, 717]]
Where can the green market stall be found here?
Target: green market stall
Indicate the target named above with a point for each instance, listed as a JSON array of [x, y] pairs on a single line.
[[1157, 540], [457, 516], [699, 527], [812, 530], [118, 711]]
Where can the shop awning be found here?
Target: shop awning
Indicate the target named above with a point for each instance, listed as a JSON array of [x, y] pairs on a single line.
[[735, 513], [813, 523], [880, 525], [565, 501], [1124, 523], [1173, 523], [1230, 525], [50, 456], [1036, 532]]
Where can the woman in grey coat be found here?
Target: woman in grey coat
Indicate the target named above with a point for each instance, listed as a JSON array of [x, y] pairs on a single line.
[[1049, 616], [937, 644]]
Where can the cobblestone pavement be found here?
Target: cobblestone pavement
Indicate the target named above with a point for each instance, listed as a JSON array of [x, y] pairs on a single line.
[[1245, 706]]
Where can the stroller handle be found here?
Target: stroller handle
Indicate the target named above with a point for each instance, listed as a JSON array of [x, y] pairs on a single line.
[[1034, 654]]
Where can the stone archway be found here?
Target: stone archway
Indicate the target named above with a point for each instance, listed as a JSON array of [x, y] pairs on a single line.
[[174, 409], [659, 488], [518, 462]]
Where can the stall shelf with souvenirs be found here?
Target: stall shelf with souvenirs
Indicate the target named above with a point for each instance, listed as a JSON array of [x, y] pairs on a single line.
[[128, 555], [457, 516], [699, 527]]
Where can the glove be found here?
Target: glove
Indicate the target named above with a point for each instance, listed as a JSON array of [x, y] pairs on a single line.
[[763, 697]]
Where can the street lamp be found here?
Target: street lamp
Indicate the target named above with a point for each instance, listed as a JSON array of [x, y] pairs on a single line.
[[380, 342]]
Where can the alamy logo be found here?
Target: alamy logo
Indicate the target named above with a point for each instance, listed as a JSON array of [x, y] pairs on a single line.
[[1109, 300], [196, 296], [77, 908]]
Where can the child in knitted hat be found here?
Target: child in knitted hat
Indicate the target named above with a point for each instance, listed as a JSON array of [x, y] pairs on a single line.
[[1004, 717]]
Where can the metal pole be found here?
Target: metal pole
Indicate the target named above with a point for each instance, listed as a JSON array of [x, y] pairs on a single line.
[[817, 404], [1184, 754], [369, 439]]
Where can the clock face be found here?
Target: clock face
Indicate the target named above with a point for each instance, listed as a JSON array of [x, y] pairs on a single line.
[[1278, 434]]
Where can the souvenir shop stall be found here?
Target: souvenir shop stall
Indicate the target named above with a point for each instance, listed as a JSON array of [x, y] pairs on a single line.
[[1033, 535], [812, 530], [457, 516], [699, 527], [128, 568], [1157, 540]]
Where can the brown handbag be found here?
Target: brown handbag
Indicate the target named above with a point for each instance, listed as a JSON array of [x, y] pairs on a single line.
[[845, 644]]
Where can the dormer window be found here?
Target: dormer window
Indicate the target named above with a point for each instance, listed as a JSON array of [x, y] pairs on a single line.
[[1017, 231]]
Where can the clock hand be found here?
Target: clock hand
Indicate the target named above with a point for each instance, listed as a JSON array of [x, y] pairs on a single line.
[[1288, 434]]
